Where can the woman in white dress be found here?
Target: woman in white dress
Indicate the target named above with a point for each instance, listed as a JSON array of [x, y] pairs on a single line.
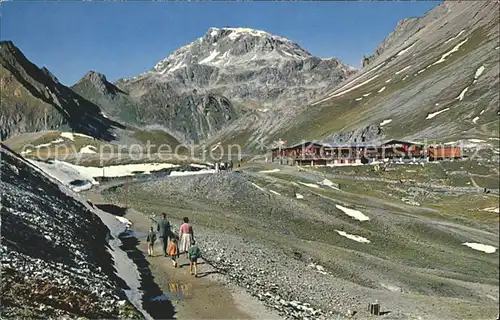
[[186, 236]]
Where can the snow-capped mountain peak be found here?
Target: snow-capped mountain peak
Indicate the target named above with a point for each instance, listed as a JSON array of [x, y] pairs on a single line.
[[228, 47], [235, 33]]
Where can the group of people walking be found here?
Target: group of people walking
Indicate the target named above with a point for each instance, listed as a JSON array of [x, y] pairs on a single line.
[[175, 245], [224, 166]]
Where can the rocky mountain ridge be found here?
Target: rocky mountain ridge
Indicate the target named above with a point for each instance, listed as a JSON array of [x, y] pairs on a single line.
[[32, 99], [204, 86], [246, 65], [432, 78]]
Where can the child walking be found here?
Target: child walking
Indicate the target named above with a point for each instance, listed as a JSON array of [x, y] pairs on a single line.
[[173, 251], [194, 253], [151, 241]]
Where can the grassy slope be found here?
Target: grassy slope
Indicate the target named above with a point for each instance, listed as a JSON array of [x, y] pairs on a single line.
[[344, 113]]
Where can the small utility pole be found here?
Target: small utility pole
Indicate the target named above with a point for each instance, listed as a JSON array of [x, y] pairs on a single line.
[[126, 195]]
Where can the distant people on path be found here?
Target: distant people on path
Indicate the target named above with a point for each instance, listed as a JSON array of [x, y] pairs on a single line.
[[194, 253], [164, 230], [186, 236], [173, 251], [151, 241]]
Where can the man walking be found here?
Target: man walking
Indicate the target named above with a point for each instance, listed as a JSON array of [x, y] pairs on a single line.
[[164, 230]]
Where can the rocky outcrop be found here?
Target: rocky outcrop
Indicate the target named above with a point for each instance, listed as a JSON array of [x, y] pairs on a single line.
[[365, 61], [32, 99], [365, 134], [52, 266]]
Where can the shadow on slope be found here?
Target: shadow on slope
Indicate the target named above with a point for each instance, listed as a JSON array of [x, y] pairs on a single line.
[[158, 309], [113, 209]]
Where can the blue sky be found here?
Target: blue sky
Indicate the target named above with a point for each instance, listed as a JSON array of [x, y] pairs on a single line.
[[123, 39]]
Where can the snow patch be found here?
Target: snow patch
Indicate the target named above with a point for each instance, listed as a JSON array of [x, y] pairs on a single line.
[[215, 147], [388, 80], [453, 38], [71, 135], [179, 65], [355, 87], [405, 50], [432, 115], [353, 237], [299, 196], [358, 99], [190, 173], [381, 89], [481, 247], [211, 57], [367, 94], [403, 70], [358, 215], [274, 192], [195, 165], [476, 140], [482, 111], [352, 81], [475, 119], [26, 152], [82, 135], [479, 72], [125, 221], [66, 172], [263, 110], [492, 209], [88, 149], [320, 269], [43, 145], [269, 171], [328, 183], [455, 49], [311, 185], [258, 187], [462, 94], [387, 121]]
